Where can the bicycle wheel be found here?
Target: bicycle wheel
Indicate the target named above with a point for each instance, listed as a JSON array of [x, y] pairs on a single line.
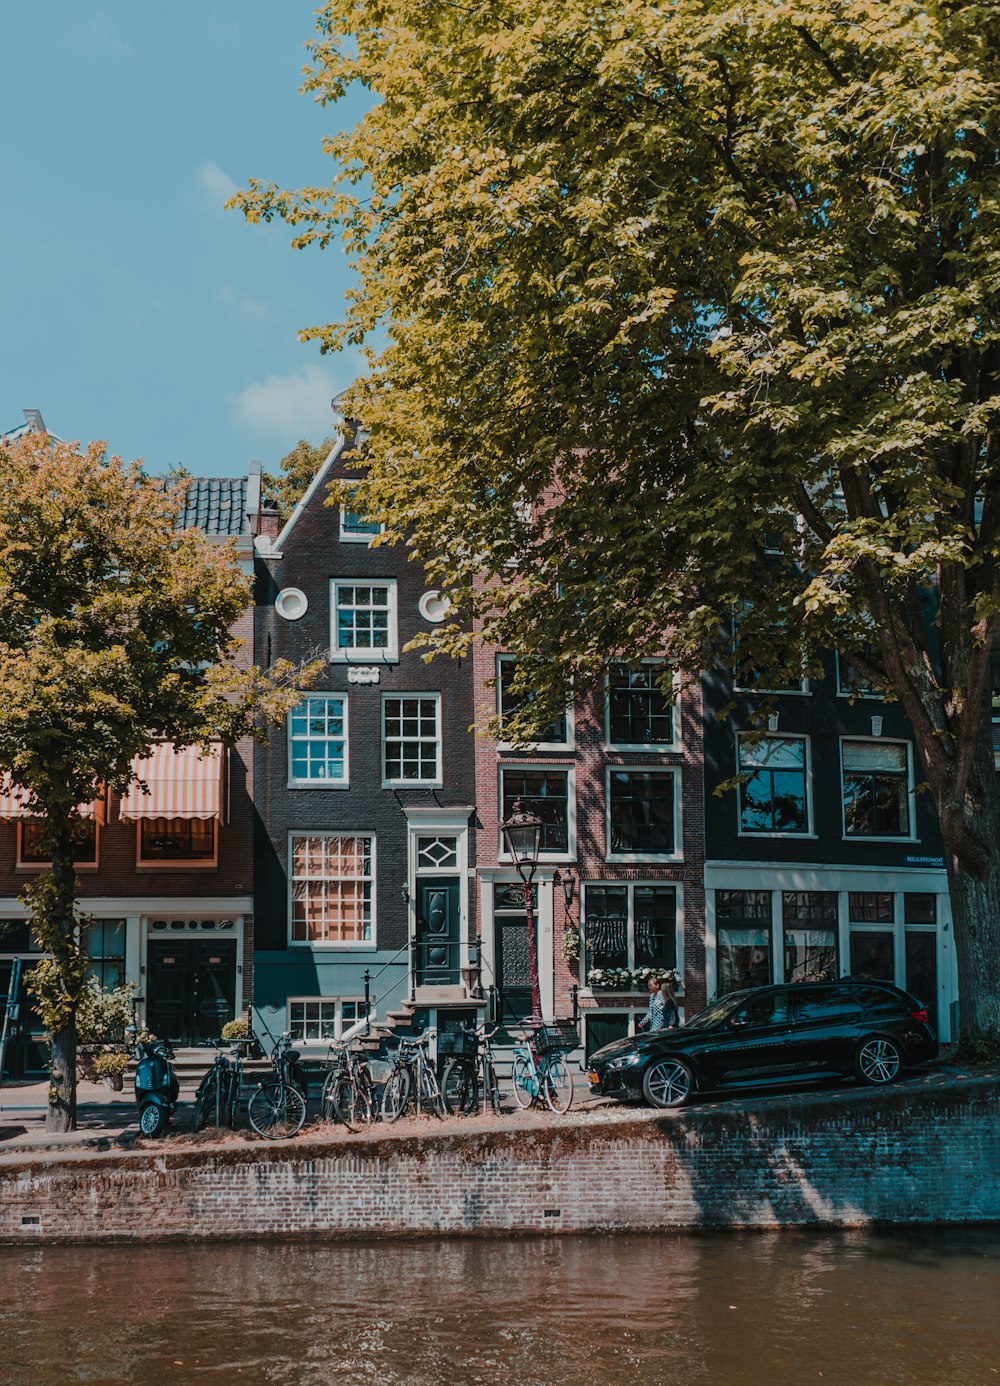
[[326, 1103], [430, 1092], [204, 1101], [491, 1088], [459, 1087], [396, 1094], [351, 1103], [557, 1083], [525, 1083], [276, 1111]]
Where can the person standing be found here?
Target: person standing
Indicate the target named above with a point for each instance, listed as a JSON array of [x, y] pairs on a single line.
[[662, 1013]]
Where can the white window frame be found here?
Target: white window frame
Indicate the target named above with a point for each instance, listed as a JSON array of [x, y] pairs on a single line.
[[298, 783], [810, 832], [674, 744], [336, 945], [349, 537], [910, 836], [844, 692], [567, 745], [337, 1002], [362, 654], [437, 781], [630, 887], [791, 692], [531, 766], [661, 770]]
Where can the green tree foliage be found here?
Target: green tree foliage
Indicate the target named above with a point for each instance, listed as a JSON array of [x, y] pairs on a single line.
[[114, 631], [668, 289], [298, 468]]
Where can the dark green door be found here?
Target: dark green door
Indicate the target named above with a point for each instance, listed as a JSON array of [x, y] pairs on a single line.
[[439, 932], [605, 1029], [192, 988]]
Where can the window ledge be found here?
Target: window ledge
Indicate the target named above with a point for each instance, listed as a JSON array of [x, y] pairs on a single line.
[[637, 858], [866, 837], [317, 784], [177, 864], [795, 837], [656, 748], [363, 657], [413, 784], [365, 946]]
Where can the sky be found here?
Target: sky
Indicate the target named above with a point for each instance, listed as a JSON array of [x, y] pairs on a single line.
[[134, 309]]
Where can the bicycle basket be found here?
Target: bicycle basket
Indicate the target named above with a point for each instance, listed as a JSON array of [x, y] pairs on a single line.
[[458, 1044], [561, 1035]]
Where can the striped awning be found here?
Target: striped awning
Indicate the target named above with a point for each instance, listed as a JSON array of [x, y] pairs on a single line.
[[185, 783], [14, 802]]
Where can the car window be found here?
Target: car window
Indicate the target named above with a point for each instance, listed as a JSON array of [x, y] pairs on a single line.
[[767, 1009], [715, 1013], [825, 1003], [876, 1001]]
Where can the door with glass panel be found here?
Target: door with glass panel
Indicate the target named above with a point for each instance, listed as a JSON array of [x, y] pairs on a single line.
[[810, 929], [511, 951]]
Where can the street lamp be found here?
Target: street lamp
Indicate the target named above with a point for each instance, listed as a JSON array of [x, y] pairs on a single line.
[[522, 833]]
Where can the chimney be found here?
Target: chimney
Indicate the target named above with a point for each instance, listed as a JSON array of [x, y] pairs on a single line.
[[269, 520]]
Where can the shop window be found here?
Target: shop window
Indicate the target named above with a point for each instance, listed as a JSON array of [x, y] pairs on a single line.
[[330, 877], [773, 793], [743, 939], [876, 788], [630, 926], [177, 840], [641, 813]]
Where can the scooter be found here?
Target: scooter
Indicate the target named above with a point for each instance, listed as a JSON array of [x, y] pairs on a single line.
[[156, 1085]]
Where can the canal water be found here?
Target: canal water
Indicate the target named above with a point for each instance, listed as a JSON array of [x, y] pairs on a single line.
[[755, 1309]]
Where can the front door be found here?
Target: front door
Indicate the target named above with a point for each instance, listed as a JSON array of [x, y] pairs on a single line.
[[510, 941], [439, 932], [192, 988]]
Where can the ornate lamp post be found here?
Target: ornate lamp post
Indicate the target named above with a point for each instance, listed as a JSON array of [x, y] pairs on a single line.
[[522, 835]]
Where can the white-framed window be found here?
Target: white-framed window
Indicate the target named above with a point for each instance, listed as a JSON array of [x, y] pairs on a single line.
[[364, 620], [876, 787], [746, 677], [356, 528], [631, 924], [411, 739], [643, 813], [557, 734], [774, 795], [851, 683], [743, 939], [638, 717], [330, 878], [313, 1018], [32, 855], [317, 741], [547, 790]]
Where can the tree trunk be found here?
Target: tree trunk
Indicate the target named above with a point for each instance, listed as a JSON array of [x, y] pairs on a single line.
[[61, 1115]]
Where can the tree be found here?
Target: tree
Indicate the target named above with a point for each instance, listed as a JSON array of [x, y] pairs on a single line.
[[298, 468], [692, 307], [114, 631]]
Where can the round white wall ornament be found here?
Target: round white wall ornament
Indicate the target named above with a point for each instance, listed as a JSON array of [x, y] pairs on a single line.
[[291, 603], [433, 607]]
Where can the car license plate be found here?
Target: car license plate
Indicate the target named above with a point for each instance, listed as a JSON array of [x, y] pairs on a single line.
[[594, 1079]]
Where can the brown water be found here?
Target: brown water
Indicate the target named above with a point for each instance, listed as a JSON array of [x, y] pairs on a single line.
[[758, 1310]]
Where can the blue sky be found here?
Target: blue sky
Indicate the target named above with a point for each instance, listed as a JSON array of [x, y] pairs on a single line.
[[134, 309]]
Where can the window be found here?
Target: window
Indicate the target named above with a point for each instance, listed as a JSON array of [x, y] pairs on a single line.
[[810, 927], [630, 926], [743, 939], [411, 739], [32, 852], [639, 714], [851, 683], [437, 853], [356, 528], [773, 796], [872, 955], [750, 634], [317, 741], [545, 792], [641, 813], [555, 733], [105, 945], [769, 1009], [322, 1018], [876, 788], [331, 878], [831, 1004], [364, 620], [177, 839]]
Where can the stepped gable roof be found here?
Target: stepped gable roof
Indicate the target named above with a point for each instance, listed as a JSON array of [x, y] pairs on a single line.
[[216, 505]]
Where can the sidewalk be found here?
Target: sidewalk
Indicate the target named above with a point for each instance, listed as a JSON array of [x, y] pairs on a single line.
[[104, 1118]]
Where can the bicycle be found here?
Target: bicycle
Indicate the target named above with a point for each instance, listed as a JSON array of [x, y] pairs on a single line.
[[349, 1090], [540, 1072], [412, 1079], [470, 1072], [219, 1091], [277, 1109]]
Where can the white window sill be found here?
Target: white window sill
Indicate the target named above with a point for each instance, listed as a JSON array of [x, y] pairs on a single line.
[[317, 784], [866, 837], [364, 657], [626, 858], [795, 837], [361, 946], [413, 784]]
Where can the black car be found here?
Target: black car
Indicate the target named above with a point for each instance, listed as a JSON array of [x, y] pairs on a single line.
[[771, 1035]]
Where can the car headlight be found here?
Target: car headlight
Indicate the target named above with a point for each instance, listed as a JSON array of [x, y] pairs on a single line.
[[626, 1061]]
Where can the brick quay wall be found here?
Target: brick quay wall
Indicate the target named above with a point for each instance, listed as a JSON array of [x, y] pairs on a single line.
[[925, 1152]]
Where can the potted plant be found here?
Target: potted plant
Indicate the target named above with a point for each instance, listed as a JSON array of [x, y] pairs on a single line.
[[240, 1030], [110, 1068]]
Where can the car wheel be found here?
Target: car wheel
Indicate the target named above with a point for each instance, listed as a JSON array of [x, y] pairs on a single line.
[[667, 1083], [877, 1061]]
